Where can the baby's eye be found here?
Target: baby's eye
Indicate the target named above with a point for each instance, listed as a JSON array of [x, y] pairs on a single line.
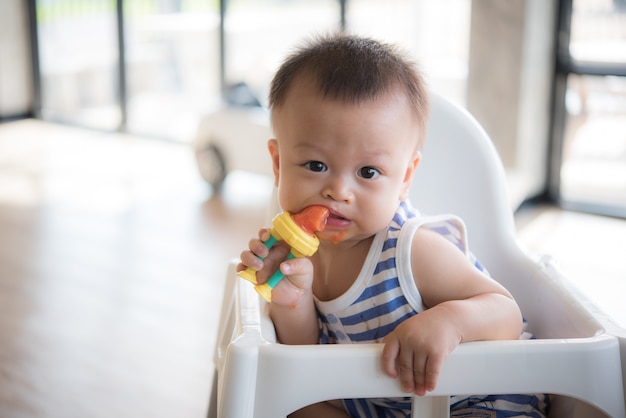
[[315, 166], [368, 172]]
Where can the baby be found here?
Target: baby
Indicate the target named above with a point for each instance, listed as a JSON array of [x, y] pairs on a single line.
[[349, 118]]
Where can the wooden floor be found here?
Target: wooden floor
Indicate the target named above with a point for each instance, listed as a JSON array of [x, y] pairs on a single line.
[[112, 256]]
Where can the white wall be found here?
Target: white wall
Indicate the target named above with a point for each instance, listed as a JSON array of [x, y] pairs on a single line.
[[509, 84]]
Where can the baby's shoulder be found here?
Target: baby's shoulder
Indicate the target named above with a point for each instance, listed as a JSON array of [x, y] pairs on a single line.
[[426, 239], [438, 228]]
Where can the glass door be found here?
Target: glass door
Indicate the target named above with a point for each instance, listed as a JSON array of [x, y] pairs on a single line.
[[590, 164], [78, 62], [156, 67], [148, 67], [172, 65], [258, 35]]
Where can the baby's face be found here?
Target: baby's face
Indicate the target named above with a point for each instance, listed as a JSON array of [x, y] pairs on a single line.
[[356, 159]]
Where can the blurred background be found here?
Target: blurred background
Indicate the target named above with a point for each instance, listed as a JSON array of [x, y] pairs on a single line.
[[546, 79], [132, 147]]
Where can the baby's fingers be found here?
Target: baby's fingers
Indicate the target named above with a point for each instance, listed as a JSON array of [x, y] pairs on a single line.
[[258, 245], [260, 258], [416, 370], [256, 252], [411, 371], [297, 282], [406, 365], [432, 370], [249, 260], [390, 353], [299, 271]]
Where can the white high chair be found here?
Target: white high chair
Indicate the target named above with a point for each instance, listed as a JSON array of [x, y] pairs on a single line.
[[573, 355]]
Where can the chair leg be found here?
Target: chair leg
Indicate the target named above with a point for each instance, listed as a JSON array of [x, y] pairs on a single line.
[[431, 406]]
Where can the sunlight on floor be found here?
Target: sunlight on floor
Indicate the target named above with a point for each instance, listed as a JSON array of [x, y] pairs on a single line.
[[588, 249]]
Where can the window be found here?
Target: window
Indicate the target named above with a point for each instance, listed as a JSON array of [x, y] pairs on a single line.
[[436, 33], [78, 61], [590, 164], [168, 78], [259, 33], [154, 67], [172, 65]]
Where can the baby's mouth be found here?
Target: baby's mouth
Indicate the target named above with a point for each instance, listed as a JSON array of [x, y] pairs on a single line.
[[335, 220], [336, 227]]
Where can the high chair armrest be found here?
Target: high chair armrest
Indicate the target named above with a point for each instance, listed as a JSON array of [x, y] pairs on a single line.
[[473, 368]]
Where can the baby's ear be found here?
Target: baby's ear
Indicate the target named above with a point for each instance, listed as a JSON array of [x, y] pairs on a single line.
[[272, 146], [408, 175]]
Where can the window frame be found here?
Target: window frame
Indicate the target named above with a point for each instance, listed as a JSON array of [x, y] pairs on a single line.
[[566, 65]]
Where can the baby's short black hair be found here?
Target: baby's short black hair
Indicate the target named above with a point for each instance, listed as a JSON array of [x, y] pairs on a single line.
[[353, 69]]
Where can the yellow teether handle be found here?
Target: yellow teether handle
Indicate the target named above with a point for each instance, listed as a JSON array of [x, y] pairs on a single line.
[[302, 244]]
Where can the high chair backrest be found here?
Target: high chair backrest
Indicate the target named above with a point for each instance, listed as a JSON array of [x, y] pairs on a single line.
[[461, 173]]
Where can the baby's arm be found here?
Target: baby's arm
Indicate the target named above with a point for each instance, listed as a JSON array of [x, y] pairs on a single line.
[[464, 305], [292, 308]]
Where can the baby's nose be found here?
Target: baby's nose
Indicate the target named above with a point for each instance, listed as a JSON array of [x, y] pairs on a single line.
[[339, 189]]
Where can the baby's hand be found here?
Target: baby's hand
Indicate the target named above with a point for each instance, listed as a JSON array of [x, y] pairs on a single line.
[[298, 271], [414, 352]]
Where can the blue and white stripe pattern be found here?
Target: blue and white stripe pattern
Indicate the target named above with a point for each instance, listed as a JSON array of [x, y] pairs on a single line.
[[499, 406], [384, 295]]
